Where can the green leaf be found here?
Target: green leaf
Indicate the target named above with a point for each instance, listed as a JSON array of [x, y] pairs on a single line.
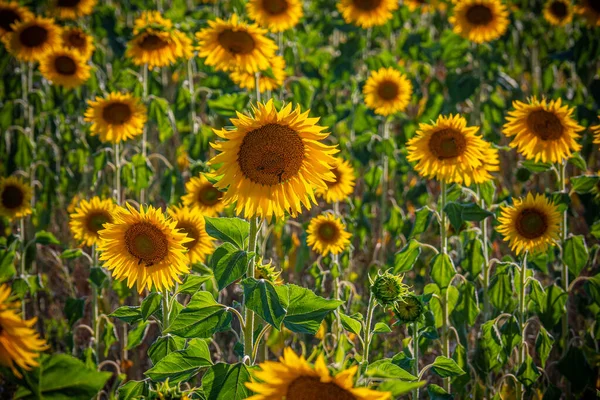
[[536, 166], [575, 367], [474, 258], [128, 314], [543, 345], [150, 305], [466, 310], [446, 367], [306, 310], [227, 105], [268, 301], [109, 337], [97, 276], [578, 161], [192, 284], [71, 254], [229, 264], [46, 238], [133, 390], [406, 258], [74, 309], [442, 270], [436, 392], [351, 324], [459, 213], [228, 230], [381, 327], [584, 184], [398, 387], [201, 318], [528, 372], [575, 254], [135, 337], [554, 307], [141, 172], [386, 369], [500, 290], [163, 346], [182, 365], [422, 219], [488, 356], [226, 382]]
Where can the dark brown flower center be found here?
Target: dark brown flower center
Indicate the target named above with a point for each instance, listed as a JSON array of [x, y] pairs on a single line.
[[116, 113], [559, 9], [191, 232], [271, 154], [12, 197], [33, 36], [237, 42], [153, 42], [65, 65], [447, 143], [337, 174], [275, 7], [479, 14], [388, 90], [147, 243], [531, 223], [367, 5], [76, 39], [309, 387], [68, 3], [209, 195], [7, 18], [328, 232], [545, 125], [96, 220]]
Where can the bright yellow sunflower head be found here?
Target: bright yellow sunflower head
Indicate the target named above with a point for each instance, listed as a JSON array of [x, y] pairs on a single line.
[[273, 161], [480, 21], [327, 234], [157, 47], [116, 117], [76, 39], [89, 217], [489, 163], [367, 13], [424, 6], [144, 247], [596, 132], [276, 15], [448, 150], [590, 11], [11, 13], [530, 224], [293, 378], [203, 196], [558, 12], [151, 19], [65, 67], [543, 130], [342, 186], [270, 79], [387, 91], [191, 222], [33, 38], [15, 198], [233, 44], [73, 9]]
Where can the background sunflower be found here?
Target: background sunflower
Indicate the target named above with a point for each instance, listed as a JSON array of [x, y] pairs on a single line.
[[116, 117], [327, 234]]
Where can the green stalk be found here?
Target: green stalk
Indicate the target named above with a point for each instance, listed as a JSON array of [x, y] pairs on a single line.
[[145, 131], [415, 340], [486, 263], [249, 314], [95, 306], [522, 320], [562, 167], [384, 191], [117, 150], [190, 73], [444, 244], [23, 261], [368, 322], [165, 310]]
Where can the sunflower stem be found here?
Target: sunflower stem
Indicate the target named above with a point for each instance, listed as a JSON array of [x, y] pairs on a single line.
[[415, 341], [95, 306], [384, 190], [367, 337], [165, 310], [145, 130], [190, 73], [562, 168], [257, 86], [248, 329], [522, 320], [117, 153], [23, 261], [486, 257], [444, 244]]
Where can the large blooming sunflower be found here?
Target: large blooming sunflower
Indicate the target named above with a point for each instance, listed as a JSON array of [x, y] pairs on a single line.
[[203, 196], [76, 39], [116, 117], [233, 44], [531, 224], [448, 150], [273, 161], [268, 80], [543, 130], [65, 67], [15, 197], [590, 11], [327, 234], [387, 91], [367, 13], [89, 217], [20, 344], [277, 15], [293, 378], [191, 222], [342, 186], [480, 20], [558, 12], [144, 247], [157, 48], [73, 9], [33, 38], [11, 13]]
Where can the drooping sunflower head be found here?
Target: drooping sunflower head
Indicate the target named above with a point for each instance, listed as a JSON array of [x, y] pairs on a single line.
[[327, 234], [388, 289], [409, 308], [558, 12], [343, 185], [235, 45], [387, 91], [272, 161], [11, 13], [191, 222], [367, 13], [78, 40], [89, 218], [448, 150], [590, 11], [203, 196], [293, 378], [543, 130], [33, 38], [65, 67], [73, 9], [531, 224], [158, 48], [480, 21], [276, 15], [15, 198], [116, 117], [270, 79], [144, 247]]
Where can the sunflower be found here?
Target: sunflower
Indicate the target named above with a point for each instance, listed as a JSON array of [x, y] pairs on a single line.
[[11, 13], [387, 91], [327, 234], [235, 45], [144, 247], [543, 130], [409, 308], [293, 378], [448, 150], [73, 9], [158, 48], [19, 342], [33, 38], [203, 196], [489, 163], [15, 197], [424, 6], [480, 20], [596, 131], [76, 39], [116, 117], [590, 11], [558, 12], [342, 186], [151, 19], [191, 222], [89, 217], [273, 161], [531, 224], [367, 13], [65, 68], [277, 15], [270, 79]]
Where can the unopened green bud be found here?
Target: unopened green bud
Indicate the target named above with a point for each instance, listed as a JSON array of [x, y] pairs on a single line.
[[409, 308], [388, 288]]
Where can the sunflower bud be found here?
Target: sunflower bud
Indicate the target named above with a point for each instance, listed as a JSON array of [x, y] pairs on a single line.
[[409, 308], [388, 288], [268, 273]]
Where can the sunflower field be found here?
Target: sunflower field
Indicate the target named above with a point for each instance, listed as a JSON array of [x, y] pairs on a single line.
[[299, 199]]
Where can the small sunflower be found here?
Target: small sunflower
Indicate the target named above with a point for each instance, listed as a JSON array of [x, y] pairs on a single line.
[[15, 198], [342, 186], [203, 196], [480, 20], [273, 161], [73, 9], [89, 217], [270, 79], [543, 130], [151, 19], [191, 222], [387, 91], [116, 117], [276, 15], [65, 67], [327, 234], [424, 6], [144, 247], [12, 13], [367, 13], [76, 39], [558, 12], [448, 150], [590, 11], [596, 131], [33, 38], [530, 224], [409, 308], [158, 48], [20, 344], [293, 378], [235, 45]]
